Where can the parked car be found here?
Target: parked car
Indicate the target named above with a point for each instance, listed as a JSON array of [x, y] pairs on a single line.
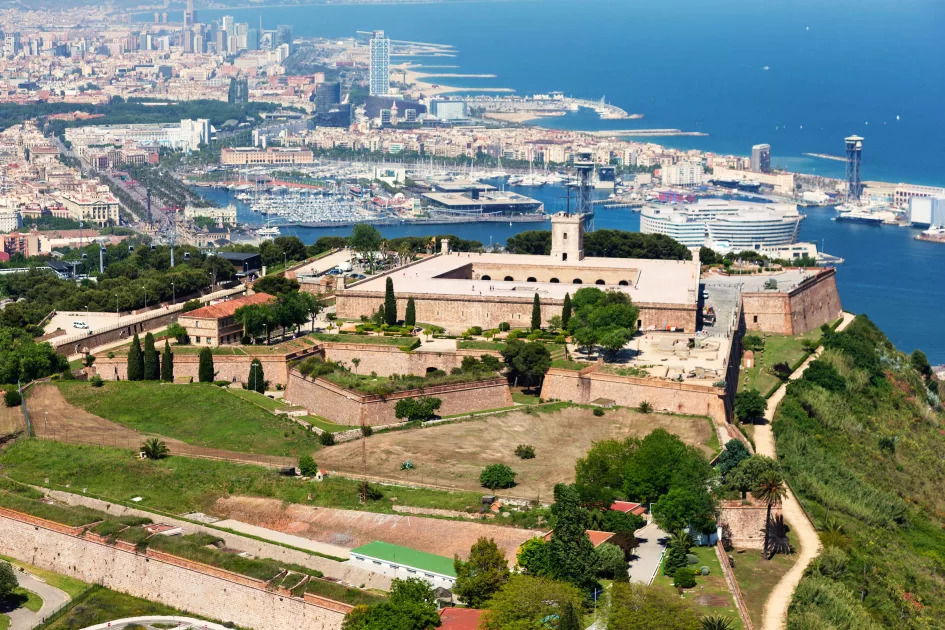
[[78, 324]]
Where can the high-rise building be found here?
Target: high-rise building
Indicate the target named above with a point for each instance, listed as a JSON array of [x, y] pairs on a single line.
[[380, 64], [854, 147], [327, 95], [761, 158], [190, 16], [227, 24], [238, 93]]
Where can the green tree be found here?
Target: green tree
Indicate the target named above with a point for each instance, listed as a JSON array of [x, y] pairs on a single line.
[[566, 311], [920, 363], [411, 606], [679, 545], [604, 318], [536, 242], [8, 581], [735, 452], [659, 462], [770, 489], [570, 550], [536, 313], [390, 303], [167, 364], [478, 578], [307, 466], [151, 362], [746, 474], [276, 284], [640, 607], [611, 563], [12, 398], [496, 476], [570, 619], [366, 241], [527, 362], [178, 332], [688, 505], [410, 314], [422, 409], [205, 371], [527, 602], [153, 448], [135, 360], [256, 381], [750, 405], [533, 558]]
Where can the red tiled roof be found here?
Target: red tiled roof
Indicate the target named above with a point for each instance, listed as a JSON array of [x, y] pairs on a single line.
[[460, 618], [628, 506], [597, 537], [227, 308]]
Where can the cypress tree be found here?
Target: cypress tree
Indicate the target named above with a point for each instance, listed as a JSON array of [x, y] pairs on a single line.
[[536, 313], [257, 379], [205, 369], [151, 361], [167, 364], [570, 550], [566, 310], [570, 620], [410, 315], [135, 360], [390, 304]]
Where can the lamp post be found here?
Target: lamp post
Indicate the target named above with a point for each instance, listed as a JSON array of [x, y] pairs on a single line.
[[145, 289], [173, 294], [116, 307]]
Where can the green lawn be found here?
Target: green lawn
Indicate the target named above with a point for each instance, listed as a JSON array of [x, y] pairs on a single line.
[[4, 622], [71, 586], [711, 595], [325, 425], [199, 414], [524, 399], [179, 484], [370, 340], [260, 400], [33, 601], [777, 349], [475, 344], [757, 576]]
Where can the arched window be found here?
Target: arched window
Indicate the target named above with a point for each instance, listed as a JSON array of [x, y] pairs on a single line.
[[623, 283], [599, 281], [531, 279], [486, 277], [577, 281], [509, 278], [431, 370], [554, 280]]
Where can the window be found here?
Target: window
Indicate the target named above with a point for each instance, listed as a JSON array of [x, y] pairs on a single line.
[[577, 281], [509, 278], [486, 277], [599, 281], [553, 281], [623, 283], [754, 319], [564, 256], [531, 279], [565, 237]]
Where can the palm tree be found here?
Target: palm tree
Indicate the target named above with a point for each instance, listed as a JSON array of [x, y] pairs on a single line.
[[153, 448], [717, 622], [770, 489]]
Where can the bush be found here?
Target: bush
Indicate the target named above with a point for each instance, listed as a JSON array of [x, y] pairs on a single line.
[[326, 438], [12, 398], [96, 381], [417, 408], [504, 326], [704, 570], [684, 578], [497, 476], [645, 407], [307, 466], [753, 343], [367, 431], [692, 558], [190, 305], [525, 451], [598, 411]]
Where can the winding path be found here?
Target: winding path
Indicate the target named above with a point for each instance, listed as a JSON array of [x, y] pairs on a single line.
[[53, 599], [779, 599]]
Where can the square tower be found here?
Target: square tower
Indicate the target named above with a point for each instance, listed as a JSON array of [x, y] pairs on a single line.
[[567, 236]]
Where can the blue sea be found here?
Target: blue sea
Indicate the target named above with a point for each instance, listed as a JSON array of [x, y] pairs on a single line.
[[800, 75]]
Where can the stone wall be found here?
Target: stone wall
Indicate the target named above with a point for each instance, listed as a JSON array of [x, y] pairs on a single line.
[[587, 385], [156, 576], [227, 367], [812, 303], [746, 523], [387, 360], [343, 406], [456, 313]]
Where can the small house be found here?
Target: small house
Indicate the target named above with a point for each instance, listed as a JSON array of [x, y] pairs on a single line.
[[403, 562]]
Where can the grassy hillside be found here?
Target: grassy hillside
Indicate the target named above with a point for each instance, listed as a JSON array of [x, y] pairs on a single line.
[[861, 438]]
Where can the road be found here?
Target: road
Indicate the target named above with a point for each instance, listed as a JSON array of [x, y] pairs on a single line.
[[182, 623], [53, 600], [648, 554], [776, 607]]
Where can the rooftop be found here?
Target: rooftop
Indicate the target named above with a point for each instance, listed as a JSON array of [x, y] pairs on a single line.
[[460, 618], [227, 308], [405, 556]]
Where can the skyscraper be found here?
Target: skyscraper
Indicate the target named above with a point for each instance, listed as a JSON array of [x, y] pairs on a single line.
[[238, 94], [327, 95], [380, 64], [190, 16], [761, 158], [854, 146]]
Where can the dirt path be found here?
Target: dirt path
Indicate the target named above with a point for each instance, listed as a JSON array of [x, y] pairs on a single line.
[[776, 607], [54, 418]]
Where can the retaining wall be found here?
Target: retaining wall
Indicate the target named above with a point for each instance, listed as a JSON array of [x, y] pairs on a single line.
[[343, 406], [587, 385], [387, 360], [157, 576], [746, 523], [812, 303]]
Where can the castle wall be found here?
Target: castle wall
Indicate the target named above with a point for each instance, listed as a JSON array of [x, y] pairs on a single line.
[[343, 406], [814, 302], [746, 523], [387, 360]]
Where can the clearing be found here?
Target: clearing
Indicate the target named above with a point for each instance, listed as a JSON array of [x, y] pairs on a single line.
[[11, 419], [710, 595], [453, 455], [199, 414], [757, 576]]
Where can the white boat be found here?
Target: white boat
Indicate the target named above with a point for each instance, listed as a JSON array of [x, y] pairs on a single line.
[[271, 230]]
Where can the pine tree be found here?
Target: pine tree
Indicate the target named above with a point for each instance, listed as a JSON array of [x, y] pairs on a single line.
[[566, 310], [151, 361], [486, 571], [205, 369], [390, 304], [167, 364], [257, 379], [570, 620], [135, 360], [410, 315], [536, 313], [570, 550]]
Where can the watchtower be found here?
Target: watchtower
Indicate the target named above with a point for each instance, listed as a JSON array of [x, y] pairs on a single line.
[[567, 236]]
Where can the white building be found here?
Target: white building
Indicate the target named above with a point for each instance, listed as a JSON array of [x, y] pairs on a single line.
[[188, 135], [722, 224], [927, 211], [226, 216], [448, 109], [9, 221], [683, 174], [404, 563], [100, 209], [380, 64]]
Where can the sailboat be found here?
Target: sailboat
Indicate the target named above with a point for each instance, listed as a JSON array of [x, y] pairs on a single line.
[[269, 230]]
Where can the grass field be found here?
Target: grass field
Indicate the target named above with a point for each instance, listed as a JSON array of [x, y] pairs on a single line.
[[71, 586], [777, 349], [181, 484], [757, 576], [370, 340], [199, 414], [454, 454], [282, 347], [711, 595], [100, 605]]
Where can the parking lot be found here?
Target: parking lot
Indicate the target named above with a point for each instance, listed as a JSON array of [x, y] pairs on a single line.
[[92, 321]]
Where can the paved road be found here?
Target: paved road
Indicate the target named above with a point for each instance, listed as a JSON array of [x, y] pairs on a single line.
[[776, 607], [183, 623], [649, 552], [53, 600]]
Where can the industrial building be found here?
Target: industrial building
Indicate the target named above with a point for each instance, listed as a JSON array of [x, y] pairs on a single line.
[[487, 202]]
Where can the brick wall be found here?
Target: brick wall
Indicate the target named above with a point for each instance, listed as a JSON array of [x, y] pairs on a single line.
[[177, 582], [814, 302], [745, 522], [347, 407], [586, 386], [387, 360]]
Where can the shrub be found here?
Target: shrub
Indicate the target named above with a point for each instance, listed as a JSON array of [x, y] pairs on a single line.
[[96, 381], [645, 407], [190, 305], [504, 326], [684, 578], [12, 398], [598, 411], [367, 431], [417, 408], [326, 438], [307, 466], [753, 343], [525, 451], [782, 370], [497, 476], [692, 558], [704, 570]]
